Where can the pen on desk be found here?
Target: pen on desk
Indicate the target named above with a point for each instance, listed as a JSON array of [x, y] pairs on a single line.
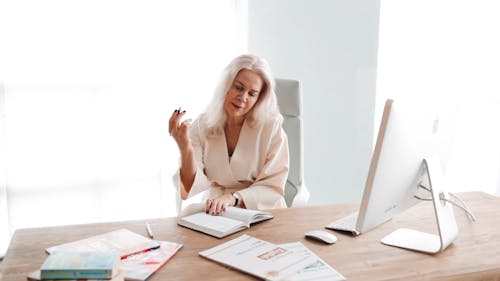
[[150, 232]]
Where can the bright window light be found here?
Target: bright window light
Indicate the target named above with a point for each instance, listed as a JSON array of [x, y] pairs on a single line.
[[88, 89], [446, 51]]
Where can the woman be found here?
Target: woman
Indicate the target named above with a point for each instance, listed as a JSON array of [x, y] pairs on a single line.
[[236, 149]]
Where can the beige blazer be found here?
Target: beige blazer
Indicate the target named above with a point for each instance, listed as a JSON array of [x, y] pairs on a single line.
[[258, 168]]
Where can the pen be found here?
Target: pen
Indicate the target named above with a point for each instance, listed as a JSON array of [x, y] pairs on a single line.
[[150, 232]]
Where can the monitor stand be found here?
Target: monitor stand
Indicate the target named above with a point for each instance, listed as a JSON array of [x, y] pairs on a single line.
[[447, 226]]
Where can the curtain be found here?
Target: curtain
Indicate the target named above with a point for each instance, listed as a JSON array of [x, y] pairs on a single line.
[[446, 52], [88, 88]]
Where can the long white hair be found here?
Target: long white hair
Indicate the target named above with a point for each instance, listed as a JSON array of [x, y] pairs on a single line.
[[266, 106]]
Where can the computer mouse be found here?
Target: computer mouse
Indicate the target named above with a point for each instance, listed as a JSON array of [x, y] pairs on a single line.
[[322, 235]]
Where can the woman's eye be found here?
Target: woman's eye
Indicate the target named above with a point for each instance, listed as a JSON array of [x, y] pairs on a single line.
[[253, 94], [239, 88]]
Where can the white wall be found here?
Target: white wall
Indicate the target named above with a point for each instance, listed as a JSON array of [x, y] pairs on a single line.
[[450, 59], [86, 92], [331, 46]]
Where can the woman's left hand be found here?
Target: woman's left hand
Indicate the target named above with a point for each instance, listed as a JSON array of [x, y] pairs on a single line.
[[217, 206]]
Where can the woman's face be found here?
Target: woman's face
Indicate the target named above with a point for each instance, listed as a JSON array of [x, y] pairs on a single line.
[[243, 94]]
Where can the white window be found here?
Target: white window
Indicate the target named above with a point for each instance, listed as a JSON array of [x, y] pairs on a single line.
[[86, 91]]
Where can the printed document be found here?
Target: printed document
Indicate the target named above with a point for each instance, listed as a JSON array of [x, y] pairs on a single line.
[[319, 270], [260, 258]]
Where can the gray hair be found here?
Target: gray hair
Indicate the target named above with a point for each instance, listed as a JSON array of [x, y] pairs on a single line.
[[266, 106]]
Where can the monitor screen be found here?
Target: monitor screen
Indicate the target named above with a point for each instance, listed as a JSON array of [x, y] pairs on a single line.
[[408, 133]]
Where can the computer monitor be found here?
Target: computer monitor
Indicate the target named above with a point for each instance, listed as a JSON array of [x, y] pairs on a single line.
[[408, 133]]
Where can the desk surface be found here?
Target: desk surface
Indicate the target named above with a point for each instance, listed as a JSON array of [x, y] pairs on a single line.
[[474, 255]]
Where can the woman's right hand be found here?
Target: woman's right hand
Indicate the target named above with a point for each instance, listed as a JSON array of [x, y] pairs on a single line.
[[180, 130]]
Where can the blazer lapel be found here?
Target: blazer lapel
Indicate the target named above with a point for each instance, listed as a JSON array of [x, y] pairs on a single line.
[[243, 155], [219, 154]]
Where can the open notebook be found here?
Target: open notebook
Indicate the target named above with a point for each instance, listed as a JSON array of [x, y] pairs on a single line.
[[231, 221]]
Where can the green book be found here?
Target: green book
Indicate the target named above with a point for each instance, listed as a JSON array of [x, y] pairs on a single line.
[[35, 276], [80, 265]]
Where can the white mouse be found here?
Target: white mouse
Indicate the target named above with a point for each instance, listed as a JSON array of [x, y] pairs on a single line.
[[322, 235]]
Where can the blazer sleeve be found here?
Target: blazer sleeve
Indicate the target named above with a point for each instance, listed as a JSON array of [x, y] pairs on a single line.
[[201, 182], [267, 192]]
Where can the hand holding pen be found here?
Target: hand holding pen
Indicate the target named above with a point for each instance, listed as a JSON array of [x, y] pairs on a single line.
[[179, 130]]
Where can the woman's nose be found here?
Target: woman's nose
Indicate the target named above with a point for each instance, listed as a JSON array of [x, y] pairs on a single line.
[[243, 96]]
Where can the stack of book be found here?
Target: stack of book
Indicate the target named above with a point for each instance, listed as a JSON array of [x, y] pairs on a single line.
[[80, 265], [118, 255]]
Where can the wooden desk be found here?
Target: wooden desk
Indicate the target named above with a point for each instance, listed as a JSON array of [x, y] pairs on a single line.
[[475, 255]]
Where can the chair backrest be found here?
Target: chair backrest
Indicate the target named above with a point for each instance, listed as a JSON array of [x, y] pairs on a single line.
[[289, 93]]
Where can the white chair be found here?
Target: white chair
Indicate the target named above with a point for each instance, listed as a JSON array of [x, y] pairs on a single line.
[[289, 93]]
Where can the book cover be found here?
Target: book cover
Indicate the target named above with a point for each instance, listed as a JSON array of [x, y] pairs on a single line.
[[35, 276], [80, 265], [123, 242], [140, 267]]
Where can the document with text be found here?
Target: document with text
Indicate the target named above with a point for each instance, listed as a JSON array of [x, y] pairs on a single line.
[[319, 270], [122, 241], [260, 258]]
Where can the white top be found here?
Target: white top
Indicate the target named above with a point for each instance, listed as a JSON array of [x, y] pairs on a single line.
[[258, 168]]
